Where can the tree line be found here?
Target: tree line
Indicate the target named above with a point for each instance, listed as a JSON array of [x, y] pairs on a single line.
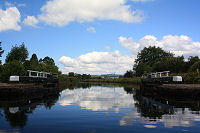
[[155, 59], [17, 63]]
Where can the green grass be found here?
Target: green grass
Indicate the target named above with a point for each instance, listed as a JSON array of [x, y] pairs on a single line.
[[135, 80]]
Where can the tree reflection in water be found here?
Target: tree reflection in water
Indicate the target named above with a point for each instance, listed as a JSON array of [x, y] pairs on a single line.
[[146, 109], [16, 112], [156, 108]]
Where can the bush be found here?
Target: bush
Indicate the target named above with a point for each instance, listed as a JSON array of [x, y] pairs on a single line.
[[12, 68], [195, 66], [191, 78]]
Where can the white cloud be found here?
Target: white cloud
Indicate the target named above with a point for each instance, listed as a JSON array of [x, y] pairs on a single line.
[[31, 21], [91, 30], [98, 63], [62, 12], [9, 19], [179, 45], [98, 99], [21, 5], [8, 4], [129, 44], [116, 62]]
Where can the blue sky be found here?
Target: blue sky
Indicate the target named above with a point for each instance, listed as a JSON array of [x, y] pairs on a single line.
[[99, 36]]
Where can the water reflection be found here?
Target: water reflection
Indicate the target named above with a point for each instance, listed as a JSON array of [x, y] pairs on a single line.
[[127, 105], [98, 98], [147, 110], [16, 112], [153, 112]]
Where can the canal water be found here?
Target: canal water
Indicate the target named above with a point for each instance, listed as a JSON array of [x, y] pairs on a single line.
[[100, 109]]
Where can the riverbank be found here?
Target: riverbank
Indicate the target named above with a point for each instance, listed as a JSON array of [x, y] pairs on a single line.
[[135, 81], [25, 91], [171, 91]]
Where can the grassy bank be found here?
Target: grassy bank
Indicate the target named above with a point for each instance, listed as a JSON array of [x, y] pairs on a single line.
[[135, 80]]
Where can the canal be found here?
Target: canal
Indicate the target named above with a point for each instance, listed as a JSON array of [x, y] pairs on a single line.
[[100, 109]]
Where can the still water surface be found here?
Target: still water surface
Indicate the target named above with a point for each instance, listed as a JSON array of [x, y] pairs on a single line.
[[100, 109]]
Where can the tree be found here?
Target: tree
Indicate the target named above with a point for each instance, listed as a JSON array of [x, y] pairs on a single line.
[[19, 53], [128, 74], [47, 60], [141, 68], [71, 74], [147, 57], [48, 65], [191, 61], [195, 67], [12, 68], [172, 64], [151, 55], [86, 76], [1, 52], [34, 63]]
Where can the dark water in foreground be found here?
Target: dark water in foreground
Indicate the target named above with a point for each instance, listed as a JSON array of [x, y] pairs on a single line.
[[100, 109]]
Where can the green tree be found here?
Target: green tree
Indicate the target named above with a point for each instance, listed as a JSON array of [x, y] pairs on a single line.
[[86, 76], [147, 57], [1, 52], [48, 65], [19, 53], [191, 61], [195, 66], [12, 68], [34, 63], [47, 60], [172, 64], [27, 65], [128, 74], [71, 74]]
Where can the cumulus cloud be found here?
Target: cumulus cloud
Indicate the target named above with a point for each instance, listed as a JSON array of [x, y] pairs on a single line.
[[116, 62], [31, 21], [62, 12], [9, 19], [179, 45], [91, 30], [98, 98], [98, 63]]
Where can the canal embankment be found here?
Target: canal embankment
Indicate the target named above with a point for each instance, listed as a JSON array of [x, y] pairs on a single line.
[[25, 91]]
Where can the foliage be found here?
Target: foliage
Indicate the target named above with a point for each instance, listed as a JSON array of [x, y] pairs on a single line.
[[147, 57], [191, 61], [128, 74], [27, 64], [17, 63], [19, 53], [71, 74], [86, 76], [47, 60], [12, 68], [195, 67], [151, 55], [191, 78], [141, 68], [135, 80], [34, 63], [1, 52], [172, 64], [48, 65]]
